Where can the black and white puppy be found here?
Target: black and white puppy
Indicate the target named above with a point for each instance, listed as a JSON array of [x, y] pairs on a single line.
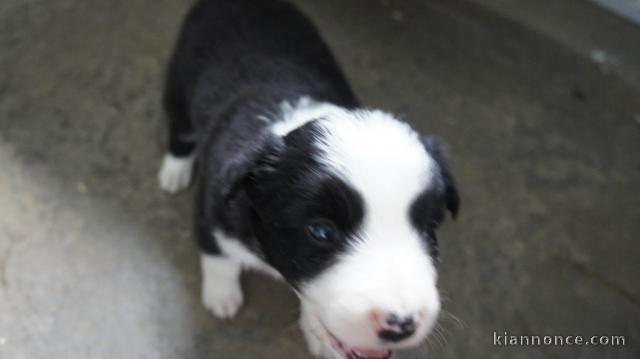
[[296, 180]]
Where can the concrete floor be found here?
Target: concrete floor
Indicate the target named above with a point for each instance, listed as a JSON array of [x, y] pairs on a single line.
[[95, 262]]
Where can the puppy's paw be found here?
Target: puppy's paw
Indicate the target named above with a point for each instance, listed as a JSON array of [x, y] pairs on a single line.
[[175, 173], [223, 299]]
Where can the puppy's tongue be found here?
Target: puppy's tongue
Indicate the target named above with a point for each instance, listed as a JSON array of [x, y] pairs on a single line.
[[351, 353], [369, 354]]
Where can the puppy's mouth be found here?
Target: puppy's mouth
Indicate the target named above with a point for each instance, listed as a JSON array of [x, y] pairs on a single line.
[[353, 353]]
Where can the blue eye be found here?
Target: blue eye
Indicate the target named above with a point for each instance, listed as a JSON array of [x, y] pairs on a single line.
[[323, 231]]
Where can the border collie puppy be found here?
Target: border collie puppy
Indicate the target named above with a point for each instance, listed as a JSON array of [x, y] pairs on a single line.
[[295, 179]]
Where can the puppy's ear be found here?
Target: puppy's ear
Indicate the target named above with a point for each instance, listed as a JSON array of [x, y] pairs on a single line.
[[436, 149], [248, 167], [264, 167]]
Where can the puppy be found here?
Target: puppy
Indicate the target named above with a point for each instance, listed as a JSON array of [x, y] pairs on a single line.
[[297, 180]]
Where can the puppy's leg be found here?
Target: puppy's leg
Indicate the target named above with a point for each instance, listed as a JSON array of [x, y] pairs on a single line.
[[221, 291], [177, 166]]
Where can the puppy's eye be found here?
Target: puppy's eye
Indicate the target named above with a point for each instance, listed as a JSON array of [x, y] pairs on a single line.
[[323, 231]]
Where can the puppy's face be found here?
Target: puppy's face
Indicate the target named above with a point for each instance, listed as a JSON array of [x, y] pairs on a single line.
[[346, 208]]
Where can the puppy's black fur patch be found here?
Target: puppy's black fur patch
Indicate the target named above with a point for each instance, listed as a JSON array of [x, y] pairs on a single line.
[[287, 193], [429, 209]]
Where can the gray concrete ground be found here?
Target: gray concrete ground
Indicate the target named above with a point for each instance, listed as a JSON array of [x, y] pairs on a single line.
[[95, 262]]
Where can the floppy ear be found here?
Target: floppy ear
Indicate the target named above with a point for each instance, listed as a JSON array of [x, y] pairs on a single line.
[[436, 149], [265, 165], [246, 167]]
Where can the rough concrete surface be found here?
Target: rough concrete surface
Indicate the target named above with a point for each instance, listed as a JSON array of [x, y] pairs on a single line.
[[96, 262], [581, 27]]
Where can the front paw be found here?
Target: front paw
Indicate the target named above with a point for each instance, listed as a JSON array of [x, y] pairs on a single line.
[[222, 299], [175, 173]]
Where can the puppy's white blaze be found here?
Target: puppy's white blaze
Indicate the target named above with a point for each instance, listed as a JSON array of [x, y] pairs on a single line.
[[388, 267], [378, 155], [293, 116]]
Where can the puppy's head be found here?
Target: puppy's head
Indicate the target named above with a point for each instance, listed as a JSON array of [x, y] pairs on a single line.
[[345, 206]]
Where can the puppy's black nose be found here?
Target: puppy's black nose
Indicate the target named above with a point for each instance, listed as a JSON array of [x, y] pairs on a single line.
[[397, 328]]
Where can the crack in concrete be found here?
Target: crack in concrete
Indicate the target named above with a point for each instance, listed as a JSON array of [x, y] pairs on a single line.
[[605, 282]]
